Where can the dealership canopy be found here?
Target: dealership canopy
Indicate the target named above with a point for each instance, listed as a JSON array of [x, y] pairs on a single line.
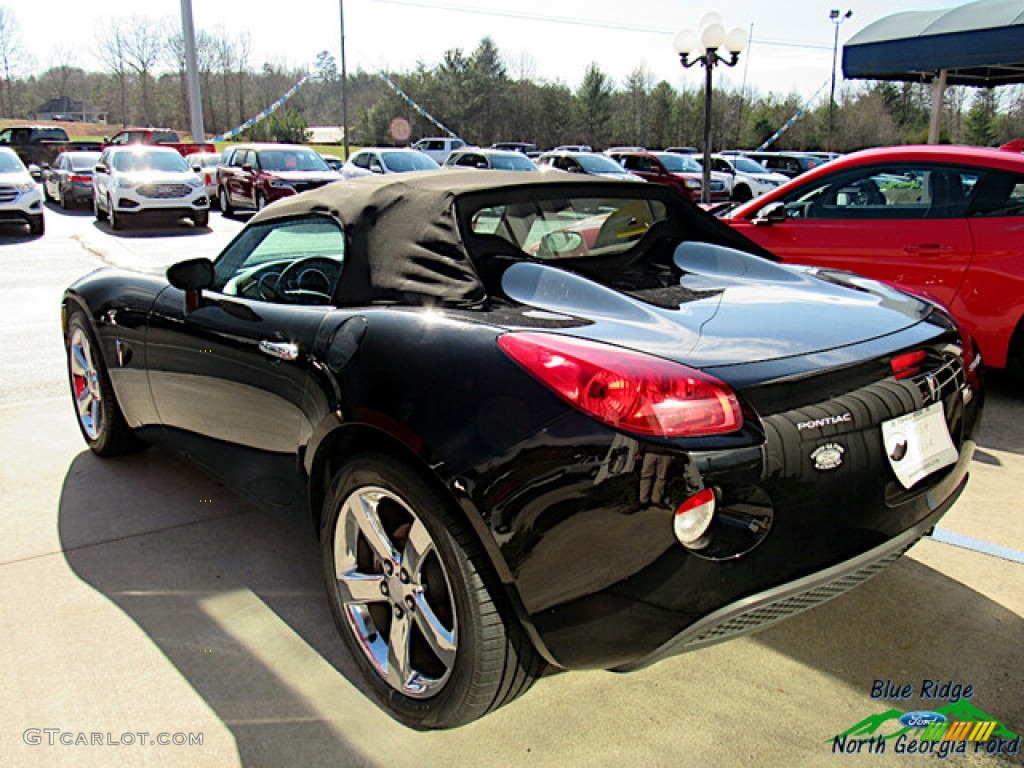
[[979, 44]]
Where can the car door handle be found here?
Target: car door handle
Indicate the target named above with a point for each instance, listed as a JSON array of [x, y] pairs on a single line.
[[929, 248], [283, 350]]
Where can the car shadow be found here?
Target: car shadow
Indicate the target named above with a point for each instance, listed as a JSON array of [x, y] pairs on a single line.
[[79, 209], [233, 598], [16, 233], [183, 557], [909, 624], [141, 230], [1003, 416]]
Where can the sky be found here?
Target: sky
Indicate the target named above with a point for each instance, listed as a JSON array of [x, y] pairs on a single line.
[[790, 52]]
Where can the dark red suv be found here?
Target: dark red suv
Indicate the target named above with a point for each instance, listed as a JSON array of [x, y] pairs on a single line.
[[254, 175], [682, 173]]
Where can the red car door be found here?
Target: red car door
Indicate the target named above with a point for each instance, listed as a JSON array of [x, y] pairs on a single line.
[[904, 225], [991, 299]]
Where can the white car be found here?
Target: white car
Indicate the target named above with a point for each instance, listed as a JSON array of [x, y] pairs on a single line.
[[21, 201], [134, 180], [205, 165], [437, 148], [747, 178], [371, 160]]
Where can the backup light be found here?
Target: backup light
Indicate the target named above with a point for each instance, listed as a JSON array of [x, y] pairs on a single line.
[[627, 390], [693, 517]]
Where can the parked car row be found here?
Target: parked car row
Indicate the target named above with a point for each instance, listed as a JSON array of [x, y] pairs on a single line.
[[946, 223]]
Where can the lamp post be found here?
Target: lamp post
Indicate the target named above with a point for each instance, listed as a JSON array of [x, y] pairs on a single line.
[[837, 19], [701, 46]]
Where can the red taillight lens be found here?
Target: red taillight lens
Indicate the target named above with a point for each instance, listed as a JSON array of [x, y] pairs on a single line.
[[908, 365], [627, 390], [80, 177]]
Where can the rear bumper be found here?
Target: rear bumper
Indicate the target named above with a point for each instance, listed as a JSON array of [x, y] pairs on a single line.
[[757, 612]]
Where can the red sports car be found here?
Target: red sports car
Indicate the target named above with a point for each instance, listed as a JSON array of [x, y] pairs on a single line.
[[945, 222]]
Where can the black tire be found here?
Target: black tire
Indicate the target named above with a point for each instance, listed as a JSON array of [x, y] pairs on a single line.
[[489, 662], [98, 212], [261, 201], [742, 193], [37, 225], [224, 201], [62, 201], [46, 192], [201, 219], [115, 220], [96, 408]]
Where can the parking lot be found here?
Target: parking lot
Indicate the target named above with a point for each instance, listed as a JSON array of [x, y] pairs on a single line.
[[138, 596]]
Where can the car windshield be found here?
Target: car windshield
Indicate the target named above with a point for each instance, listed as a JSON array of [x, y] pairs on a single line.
[[150, 161], [84, 161], [516, 162], [679, 164], [600, 164], [746, 165], [570, 227], [10, 163], [291, 160], [401, 162]]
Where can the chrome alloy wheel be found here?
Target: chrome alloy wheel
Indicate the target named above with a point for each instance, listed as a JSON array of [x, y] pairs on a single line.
[[85, 383], [395, 592]]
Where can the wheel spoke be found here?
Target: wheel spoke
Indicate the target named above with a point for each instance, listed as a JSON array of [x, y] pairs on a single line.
[[416, 549], [79, 361], [85, 401], [440, 639], [355, 587], [399, 669], [363, 510]]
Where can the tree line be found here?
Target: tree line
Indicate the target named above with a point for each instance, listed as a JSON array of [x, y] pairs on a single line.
[[480, 95]]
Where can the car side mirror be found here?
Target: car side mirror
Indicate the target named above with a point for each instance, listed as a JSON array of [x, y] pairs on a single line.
[[773, 213], [247, 167], [35, 172], [100, 168], [192, 277]]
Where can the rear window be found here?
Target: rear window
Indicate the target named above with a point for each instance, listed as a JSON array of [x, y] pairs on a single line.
[[49, 134], [570, 228]]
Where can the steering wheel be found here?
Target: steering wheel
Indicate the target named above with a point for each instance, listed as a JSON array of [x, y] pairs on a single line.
[[308, 281]]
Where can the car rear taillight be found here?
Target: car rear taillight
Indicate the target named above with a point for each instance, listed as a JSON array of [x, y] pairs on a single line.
[[627, 390], [908, 365], [80, 177]]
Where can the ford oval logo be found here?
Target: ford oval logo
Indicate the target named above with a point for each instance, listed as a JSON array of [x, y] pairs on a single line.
[[921, 719]]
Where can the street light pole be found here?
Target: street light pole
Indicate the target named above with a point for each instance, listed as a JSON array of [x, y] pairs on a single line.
[[702, 47], [195, 100], [344, 79], [837, 19]]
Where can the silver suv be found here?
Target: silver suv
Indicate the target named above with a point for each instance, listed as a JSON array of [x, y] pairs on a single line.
[[21, 201]]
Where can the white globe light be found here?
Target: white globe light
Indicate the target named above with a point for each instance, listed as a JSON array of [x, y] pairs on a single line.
[[736, 40], [685, 41], [709, 18], [713, 36]]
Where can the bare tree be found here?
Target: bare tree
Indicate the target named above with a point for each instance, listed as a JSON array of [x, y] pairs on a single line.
[[144, 47], [63, 66], [12, 56], [113, 53], [242, 63]]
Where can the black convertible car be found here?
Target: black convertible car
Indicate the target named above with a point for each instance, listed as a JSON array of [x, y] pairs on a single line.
[[539, 422]]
